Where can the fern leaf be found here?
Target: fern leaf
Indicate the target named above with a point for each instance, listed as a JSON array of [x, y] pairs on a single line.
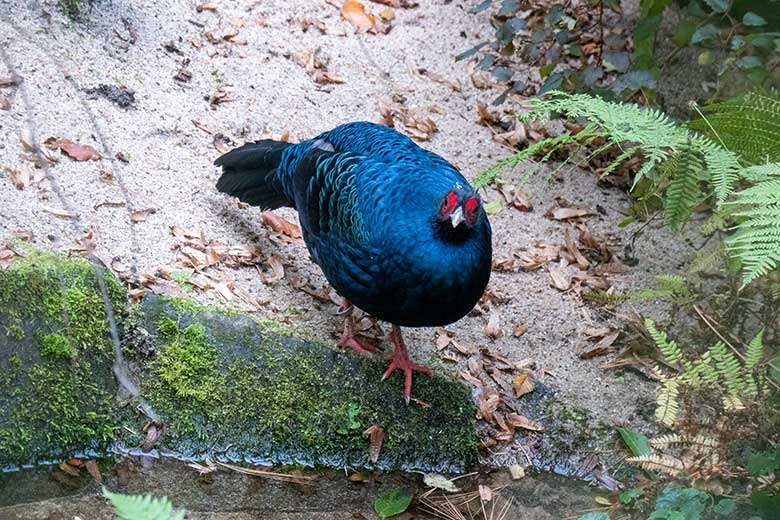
[[702, 443], [684, 168], [708, 258], [669, 349], [748, 125], [666, 441], [729, 368], [667, 404], [756, 240], [755, 351], [137, 507], [664, 463], [604, 298]]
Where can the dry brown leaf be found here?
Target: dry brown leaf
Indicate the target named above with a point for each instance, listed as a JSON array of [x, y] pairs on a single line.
[[136, 294], [59, 212], [280, 225], [560, 280], [277, 268], [154, 431], [77, 152], [522, 384], [443, 338], [569, 213], [8, 82], [201, 126], [323, 77], [485, 493], [141, 215], [520, 421], [70, 470], [470, 379], [438, 78], [376, 435], [516, 471], [486, 117], [93, 470], [24, 234], [492, 328], [391, 3], [5, 104], [519, 330], [604, 346], [355, 13], [573, 248], [387, 14], [20, 178]]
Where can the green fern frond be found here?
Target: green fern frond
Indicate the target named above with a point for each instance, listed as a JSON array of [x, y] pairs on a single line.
[[755, 351], [137, 507], [684, 168], [719, 220], [729, 367], [748, 125], [756, 240], [711, 256], [604, 298], [673, 287], [669, 349]]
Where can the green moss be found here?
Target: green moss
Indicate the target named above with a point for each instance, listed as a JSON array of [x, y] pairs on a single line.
[[51, 309], [256, 387], [55, 345]]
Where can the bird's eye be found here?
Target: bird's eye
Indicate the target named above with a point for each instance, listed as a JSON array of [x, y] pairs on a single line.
[[450, 203], [472, 205]]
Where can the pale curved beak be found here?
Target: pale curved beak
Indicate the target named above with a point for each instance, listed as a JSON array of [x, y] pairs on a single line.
[[456, 217]]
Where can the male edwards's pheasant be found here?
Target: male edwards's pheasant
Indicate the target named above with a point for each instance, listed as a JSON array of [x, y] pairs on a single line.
[[396, 229]]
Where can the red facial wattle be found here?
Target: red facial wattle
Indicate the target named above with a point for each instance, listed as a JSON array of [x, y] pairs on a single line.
[[450, 203], [472, 206]]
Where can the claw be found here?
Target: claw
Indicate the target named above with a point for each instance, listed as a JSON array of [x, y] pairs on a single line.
[[348, 338], [401, 361]]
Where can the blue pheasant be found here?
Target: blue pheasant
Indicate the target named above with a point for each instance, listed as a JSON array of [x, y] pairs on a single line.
[[396, 229]]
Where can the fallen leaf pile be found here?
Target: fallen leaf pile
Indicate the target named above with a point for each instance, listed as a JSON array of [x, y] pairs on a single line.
[[316, 67], [396, 115], [199, 266]]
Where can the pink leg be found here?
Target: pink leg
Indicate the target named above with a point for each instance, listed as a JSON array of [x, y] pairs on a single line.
[[401, 361], [348, 338]]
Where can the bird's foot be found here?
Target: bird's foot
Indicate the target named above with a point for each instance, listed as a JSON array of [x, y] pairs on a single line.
[[349, 339], [400, 360]]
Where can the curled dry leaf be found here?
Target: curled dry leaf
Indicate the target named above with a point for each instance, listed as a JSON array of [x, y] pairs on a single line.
[[141, 215], [275, 263], [93, 470], [568, 213], [604, 346], [519, 330], [485, 493], [560, 280], [280, 225], [522, 384], [355, 13], [376, 436], [443, 338], [486, 117], [516, 471], [19, 177], [77, 152], [492, 328], [437, 481], [519, 421], [154, 431]]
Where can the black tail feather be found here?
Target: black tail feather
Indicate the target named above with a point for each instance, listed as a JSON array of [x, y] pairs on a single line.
[[249, 173]]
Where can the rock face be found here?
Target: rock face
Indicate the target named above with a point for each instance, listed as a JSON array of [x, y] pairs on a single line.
[[226, 385]]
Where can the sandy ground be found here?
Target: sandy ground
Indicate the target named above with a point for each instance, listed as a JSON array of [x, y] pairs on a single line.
[[170, 159]]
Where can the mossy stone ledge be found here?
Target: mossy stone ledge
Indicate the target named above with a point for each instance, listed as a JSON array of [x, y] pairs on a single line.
[[227, 385]]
